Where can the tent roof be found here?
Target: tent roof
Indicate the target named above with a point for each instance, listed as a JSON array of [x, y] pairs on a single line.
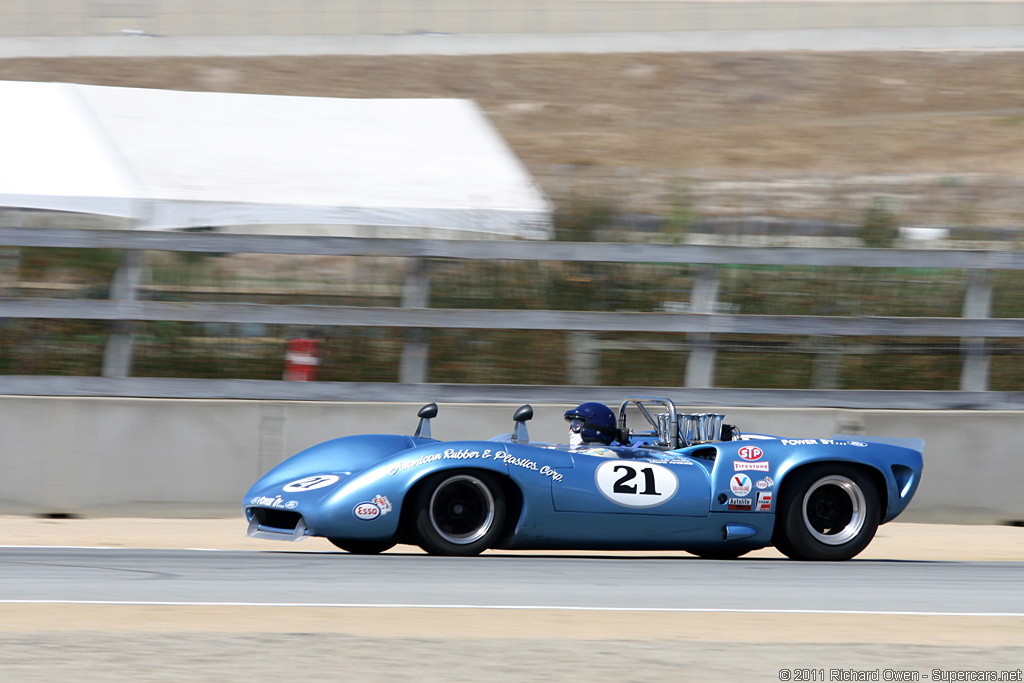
[[172, 159]]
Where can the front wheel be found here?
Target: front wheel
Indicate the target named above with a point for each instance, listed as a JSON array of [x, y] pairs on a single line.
[[362, 547], [827, 512], [459, 513]]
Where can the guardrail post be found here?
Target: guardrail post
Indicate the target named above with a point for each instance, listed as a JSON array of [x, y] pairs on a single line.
[[700, 363], [584, 350], [825, 372], [117, 356], [415, 352], [977, 304]]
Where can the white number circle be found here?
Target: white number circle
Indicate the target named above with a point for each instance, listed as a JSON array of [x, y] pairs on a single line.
[[317, 481], [636, 484]]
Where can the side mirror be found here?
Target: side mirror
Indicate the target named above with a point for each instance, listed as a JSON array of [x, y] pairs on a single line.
[[522, 414], [425, 414]]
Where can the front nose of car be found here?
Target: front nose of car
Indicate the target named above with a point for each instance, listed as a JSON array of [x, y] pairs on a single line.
[[275, 524]]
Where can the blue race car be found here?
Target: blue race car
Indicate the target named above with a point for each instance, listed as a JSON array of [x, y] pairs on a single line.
[[679, 482]]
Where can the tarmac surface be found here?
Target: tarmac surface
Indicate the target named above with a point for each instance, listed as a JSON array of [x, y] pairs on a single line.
[[104, 642]]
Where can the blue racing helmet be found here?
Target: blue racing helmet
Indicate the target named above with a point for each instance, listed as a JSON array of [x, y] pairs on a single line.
[[594, 422]]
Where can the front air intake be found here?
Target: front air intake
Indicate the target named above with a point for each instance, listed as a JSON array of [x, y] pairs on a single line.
[[286, 520]]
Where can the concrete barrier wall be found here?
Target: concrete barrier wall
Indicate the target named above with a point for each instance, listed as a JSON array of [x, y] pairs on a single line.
[[169, 18], [194, 458]]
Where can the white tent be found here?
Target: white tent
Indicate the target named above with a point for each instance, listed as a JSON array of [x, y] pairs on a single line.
[[172, 159]]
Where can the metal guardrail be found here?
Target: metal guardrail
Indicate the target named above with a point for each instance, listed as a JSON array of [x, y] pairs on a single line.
[[203, 242], [448, 318], [972, 328]]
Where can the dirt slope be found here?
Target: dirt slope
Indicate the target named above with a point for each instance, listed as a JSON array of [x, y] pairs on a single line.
[[637, 120]]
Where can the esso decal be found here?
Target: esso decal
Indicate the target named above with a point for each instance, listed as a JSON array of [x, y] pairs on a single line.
[[750, 453], [317, 481], [740, 484], [636, 484], [366, 511]]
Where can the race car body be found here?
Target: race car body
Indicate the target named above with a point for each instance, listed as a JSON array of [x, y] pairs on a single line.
[[683, 482]]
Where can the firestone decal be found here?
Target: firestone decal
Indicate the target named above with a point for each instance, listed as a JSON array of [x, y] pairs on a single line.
[[317, 481], [752, 466]]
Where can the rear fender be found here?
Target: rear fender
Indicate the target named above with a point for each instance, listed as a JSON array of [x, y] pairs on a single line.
[[895, 466]]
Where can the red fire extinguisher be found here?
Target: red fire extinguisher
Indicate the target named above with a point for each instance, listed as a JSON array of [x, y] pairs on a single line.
[[300, 360]]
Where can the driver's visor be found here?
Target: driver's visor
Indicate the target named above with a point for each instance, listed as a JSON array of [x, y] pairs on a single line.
[[576, 424]]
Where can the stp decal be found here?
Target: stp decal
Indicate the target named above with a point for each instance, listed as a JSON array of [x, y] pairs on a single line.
[[317, 481], [636, 484], [751, 453]]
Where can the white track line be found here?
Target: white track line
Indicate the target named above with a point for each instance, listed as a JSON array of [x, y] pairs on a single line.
[[561, 608]]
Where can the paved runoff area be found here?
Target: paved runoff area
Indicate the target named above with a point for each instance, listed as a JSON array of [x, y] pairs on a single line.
[[103, 642]]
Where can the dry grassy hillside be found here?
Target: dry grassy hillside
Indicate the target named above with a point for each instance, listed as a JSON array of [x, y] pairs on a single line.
[[631, 123]]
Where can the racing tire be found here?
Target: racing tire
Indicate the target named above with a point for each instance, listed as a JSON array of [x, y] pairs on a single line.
[[827, 512], [459, 513], [719, 554], [358, 546]]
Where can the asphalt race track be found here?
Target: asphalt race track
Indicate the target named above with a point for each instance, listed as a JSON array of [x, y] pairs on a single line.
[[530, 580], [104, 613]]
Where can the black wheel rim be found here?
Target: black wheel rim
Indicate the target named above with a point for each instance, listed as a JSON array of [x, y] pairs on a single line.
[[462, 509], [833, 509]]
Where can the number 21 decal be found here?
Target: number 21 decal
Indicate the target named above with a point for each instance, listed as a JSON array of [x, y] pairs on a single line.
[[636, 484]]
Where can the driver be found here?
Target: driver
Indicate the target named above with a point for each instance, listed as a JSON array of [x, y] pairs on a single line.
[[591, 426]]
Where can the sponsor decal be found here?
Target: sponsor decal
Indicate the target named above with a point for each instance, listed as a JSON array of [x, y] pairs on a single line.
[[754, 466], [448, 454], [740, 503], [486, 454], [764, 501], [765, 483], [635, 484], [317, 481], [823, 442], [277, 502], [750, 453], [383, 503], [366, 511], [740, 484]]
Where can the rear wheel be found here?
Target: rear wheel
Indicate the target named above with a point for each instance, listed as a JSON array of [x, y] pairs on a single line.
[[827, 512], [459, 513], [361, 546]]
